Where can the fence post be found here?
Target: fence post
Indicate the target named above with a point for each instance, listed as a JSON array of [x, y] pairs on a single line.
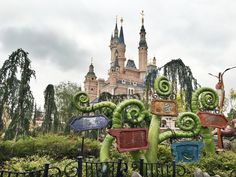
[[46, 168], [119, 174], [80, 166], [141, 167], [174, 168]]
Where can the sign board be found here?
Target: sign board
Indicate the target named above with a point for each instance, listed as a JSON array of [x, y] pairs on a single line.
[[89, 123], [187, 151], [212, 120], [130, 139], [164, 108]]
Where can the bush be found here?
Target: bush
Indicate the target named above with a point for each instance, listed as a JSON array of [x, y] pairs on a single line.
[[219, 164], [234, 146], [27, 164], [55, 146]]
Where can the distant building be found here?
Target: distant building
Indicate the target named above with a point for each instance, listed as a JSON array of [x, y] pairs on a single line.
[[124, 77]]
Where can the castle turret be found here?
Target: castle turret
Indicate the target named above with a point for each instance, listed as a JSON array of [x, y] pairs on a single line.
[[114, 42], [143, 52], [114, 74], [121, 47], [152, 66], [91, 83]]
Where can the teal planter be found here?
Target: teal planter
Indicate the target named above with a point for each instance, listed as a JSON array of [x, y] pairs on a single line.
[[187, 151]]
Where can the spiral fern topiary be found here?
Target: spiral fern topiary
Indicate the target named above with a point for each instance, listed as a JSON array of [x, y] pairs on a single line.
[[205, 99], [135, 113]]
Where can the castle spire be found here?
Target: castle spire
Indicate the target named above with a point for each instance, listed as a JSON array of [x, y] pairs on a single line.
[[91, 69], [142, 50], [142, 14], [142, 42], [116, 30], [121, 37]]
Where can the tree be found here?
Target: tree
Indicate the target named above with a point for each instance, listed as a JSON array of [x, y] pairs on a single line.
[[232, 97], [181, 78], [17, 93], [51, 121], [64, 93], [9, 84], [180, 74]]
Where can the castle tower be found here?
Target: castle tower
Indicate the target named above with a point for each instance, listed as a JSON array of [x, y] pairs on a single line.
[[91, 83], [121, 47], [113, 43], [114, 74], [143, 52]]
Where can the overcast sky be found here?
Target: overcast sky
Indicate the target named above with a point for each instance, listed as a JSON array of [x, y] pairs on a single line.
[[61, 36]]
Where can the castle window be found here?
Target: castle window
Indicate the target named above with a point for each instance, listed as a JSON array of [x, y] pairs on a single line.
[[135, 83], [92, 78], [163, 123], [130, 91], [91, 89], [123, 81]]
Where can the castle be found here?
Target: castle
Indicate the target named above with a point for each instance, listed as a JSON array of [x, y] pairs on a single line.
[[122, 78]]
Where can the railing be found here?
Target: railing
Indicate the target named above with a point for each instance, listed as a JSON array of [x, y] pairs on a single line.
[[91, 168], [170, 169], [95, 169], [46, 172]]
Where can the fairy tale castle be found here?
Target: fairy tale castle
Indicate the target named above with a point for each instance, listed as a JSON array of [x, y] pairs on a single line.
[[124, 77]]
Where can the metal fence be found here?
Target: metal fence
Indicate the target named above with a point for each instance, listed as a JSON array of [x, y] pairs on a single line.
[[90, 168], [45, 172], [170, 169]]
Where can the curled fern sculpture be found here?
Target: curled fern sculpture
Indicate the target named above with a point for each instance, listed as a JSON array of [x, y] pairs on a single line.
[[188, 122], [81, 101], [205, 99], [163, 89], [132, 112], [135, 113]]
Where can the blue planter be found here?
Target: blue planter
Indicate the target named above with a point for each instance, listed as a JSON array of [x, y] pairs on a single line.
[[187, 151]]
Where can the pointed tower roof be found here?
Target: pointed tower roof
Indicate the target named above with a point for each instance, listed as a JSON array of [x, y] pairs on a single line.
[[91, 70], [121, 37], [142, 42], [116, 30]]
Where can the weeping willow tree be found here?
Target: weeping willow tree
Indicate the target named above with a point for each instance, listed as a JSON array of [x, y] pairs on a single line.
[[16, 93], [51, 121], [9, 84], [181, 78], [181, 75]]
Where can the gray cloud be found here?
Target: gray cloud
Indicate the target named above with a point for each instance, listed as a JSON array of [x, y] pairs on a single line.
[[45, 45]]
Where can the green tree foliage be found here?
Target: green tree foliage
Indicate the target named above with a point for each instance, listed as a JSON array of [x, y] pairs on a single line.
[[64, 93], [181, 78], [15, 76], [180, 74], [51, 121], [9, 84], [232, 97]]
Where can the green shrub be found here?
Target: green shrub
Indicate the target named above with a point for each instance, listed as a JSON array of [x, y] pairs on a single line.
[[55, 146], [234, 146], [219, 164], [27, 163]]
